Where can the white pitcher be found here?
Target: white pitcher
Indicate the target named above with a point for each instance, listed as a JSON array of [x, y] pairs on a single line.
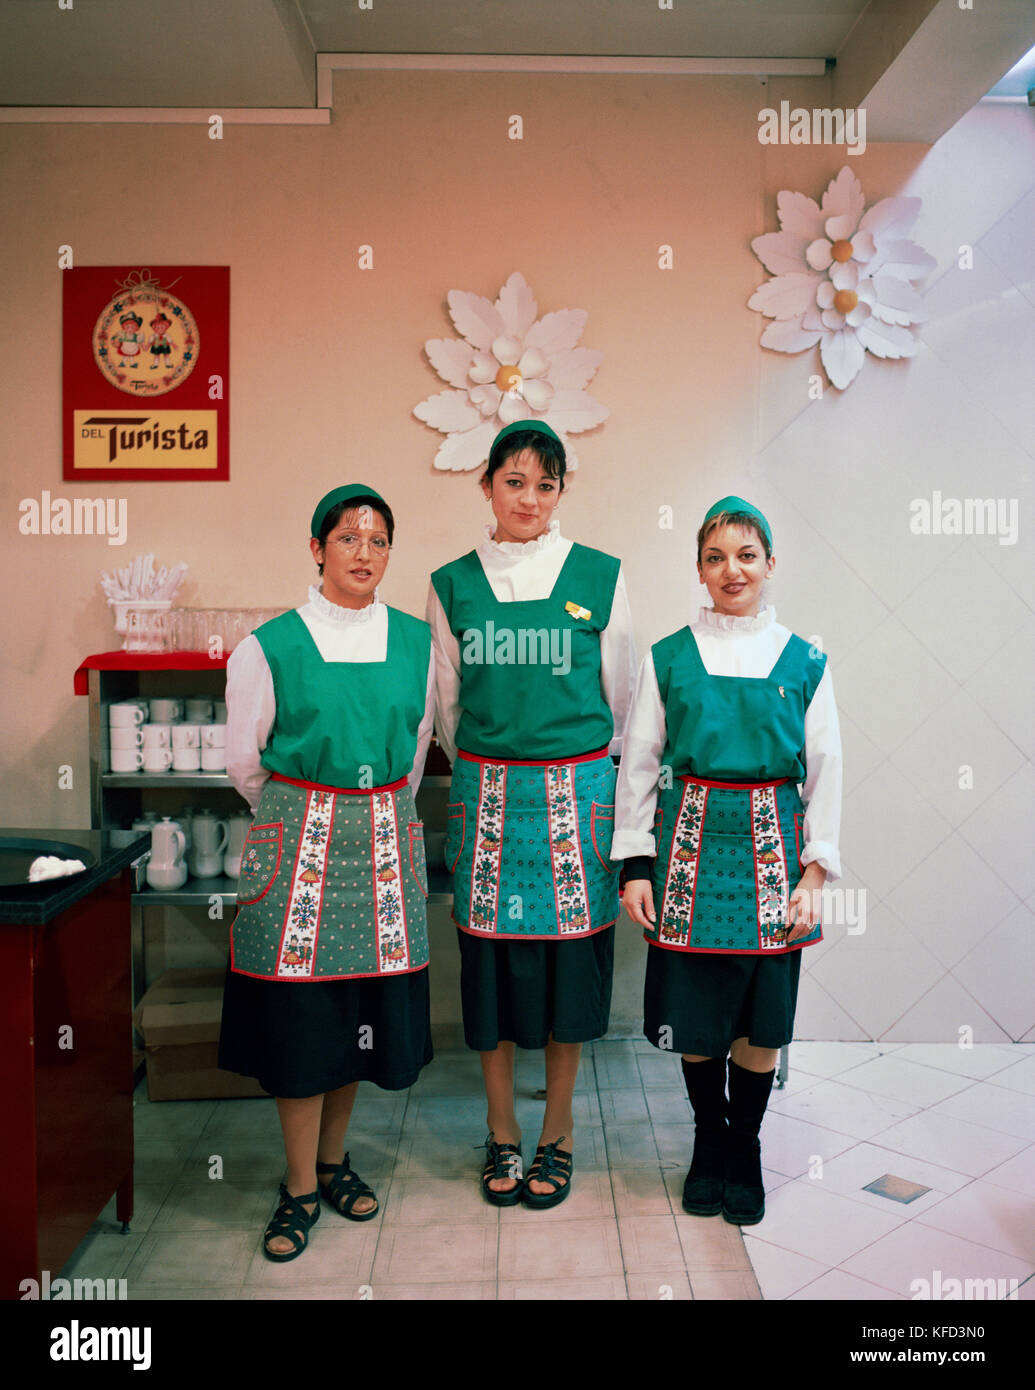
[[167, 868], [238, 827], [209, 837]]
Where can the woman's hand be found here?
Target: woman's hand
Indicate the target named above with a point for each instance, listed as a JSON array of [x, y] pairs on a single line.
[[638, 901], [803, 909]]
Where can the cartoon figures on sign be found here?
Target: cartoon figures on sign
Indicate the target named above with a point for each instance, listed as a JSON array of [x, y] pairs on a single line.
[[159, 345], [129, 340]]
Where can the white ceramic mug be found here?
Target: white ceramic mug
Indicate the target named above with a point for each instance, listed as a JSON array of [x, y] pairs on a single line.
[[213, 759], [126, 760], [157, 759], [185, 736], [156, 735], [123, 714], [186, 759], [213, 735], [125, 736], [164, 711], [199, 710]]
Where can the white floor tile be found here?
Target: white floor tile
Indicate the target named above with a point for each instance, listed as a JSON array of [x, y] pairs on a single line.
[[988, 1215], [1009, 1112], [849, 1173], [901, 1080], [1020, 1076], [779, 1272], [840, 1107], [837, 1286], [979, 1061], [951, 1143], [912, 1259], [1017, 1173], [822, 1226], [828, 1059]]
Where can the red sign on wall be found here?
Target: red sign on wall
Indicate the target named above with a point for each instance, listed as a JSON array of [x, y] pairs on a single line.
[[146, 373]]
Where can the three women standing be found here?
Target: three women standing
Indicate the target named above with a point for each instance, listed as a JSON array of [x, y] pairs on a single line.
[[329, 717], [534, 666]]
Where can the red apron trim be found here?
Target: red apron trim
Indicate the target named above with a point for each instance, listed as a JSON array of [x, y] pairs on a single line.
[[730, 786], [338, 791], [532, 762]]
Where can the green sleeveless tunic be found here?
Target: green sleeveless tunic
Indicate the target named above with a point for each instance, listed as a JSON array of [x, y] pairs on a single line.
[[530, 669], [333, 879]]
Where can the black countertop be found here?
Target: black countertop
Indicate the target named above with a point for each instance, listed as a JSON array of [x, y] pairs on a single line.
[[43, 901]]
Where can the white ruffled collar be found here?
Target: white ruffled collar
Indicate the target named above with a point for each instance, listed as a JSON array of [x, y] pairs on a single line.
[[730, 624], [517, 549], [335, 613]]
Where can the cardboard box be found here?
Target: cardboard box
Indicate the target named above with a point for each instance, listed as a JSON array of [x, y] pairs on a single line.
[[178, 1019]]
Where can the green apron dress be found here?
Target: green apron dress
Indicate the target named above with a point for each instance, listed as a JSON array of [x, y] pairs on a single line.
[[330, 936], [728, 833], [531, 810]]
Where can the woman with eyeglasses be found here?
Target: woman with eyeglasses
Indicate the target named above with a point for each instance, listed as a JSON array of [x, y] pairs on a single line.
[[329, 717]]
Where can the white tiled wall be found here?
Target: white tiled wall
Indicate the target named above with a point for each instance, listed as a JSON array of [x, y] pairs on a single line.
[[931, 637]]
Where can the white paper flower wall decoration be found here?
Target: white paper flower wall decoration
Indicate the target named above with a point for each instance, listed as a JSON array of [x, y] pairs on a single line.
[[508, 365], [843, 277]]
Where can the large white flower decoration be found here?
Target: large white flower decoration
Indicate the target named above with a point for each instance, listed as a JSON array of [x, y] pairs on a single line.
[[508, 365], [842, 277]]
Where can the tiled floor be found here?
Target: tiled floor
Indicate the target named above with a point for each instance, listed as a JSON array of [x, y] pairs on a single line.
[[958, 1122]]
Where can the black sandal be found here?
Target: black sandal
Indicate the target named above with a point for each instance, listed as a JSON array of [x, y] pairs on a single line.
[[502, 1161], [345, 1189], [292, 1221], [553, 1165]]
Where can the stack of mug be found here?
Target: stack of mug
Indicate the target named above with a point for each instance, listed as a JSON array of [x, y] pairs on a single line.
[[162, 735]]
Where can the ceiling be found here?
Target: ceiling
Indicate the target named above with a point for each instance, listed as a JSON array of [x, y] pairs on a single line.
[[222, 54]]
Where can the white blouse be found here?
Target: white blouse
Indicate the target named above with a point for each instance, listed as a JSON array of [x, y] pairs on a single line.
[[731, 646], [519, 571], [340, 634]]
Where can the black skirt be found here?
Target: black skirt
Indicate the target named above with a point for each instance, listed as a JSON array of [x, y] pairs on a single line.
[[698, 1003], [304, 1038], [527, 992]]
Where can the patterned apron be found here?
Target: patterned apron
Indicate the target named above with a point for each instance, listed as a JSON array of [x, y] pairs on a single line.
[[528, 844], [333, 884], [726, 865]]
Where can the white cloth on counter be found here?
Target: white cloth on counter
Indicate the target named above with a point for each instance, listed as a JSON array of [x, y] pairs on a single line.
[[731, 646], [523, 571], [340, 634], [52, 866]]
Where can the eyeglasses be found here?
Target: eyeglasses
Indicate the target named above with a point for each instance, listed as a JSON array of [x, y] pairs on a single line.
[[350, 543]]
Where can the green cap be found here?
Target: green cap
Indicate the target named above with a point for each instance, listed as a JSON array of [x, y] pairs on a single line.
[[539, 426], [339, 494], [737, 504]]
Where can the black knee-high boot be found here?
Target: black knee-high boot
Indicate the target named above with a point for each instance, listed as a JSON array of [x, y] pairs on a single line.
[[743, 1201], [706, 1087]]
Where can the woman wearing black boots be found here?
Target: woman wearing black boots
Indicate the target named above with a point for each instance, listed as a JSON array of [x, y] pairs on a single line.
[[731, 715]]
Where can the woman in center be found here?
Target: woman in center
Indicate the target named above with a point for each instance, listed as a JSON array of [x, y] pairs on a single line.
[[535, 668]]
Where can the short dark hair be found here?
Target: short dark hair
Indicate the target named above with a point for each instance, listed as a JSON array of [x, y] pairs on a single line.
[[549, 452], [353, 505]]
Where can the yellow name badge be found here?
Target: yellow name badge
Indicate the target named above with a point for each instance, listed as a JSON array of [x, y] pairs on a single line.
[[146, 439], [577, 611]]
